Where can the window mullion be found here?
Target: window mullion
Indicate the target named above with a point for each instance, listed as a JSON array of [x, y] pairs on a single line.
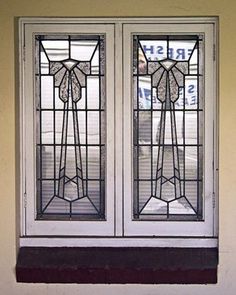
[[119, 100]]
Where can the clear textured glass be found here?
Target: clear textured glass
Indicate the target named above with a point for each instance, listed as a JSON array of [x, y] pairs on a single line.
[[55, 49], [82, 49], [167, 157]]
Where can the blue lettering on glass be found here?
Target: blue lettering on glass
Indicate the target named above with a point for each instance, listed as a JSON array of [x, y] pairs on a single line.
[[145, 97], [147, 93], [193, 100], [189, 51], [151, 49], [181, 53], [191, 89], [173, 53], [160, 50]]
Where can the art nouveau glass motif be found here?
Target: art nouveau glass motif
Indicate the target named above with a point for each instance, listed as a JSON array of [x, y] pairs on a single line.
[[70, 122], [167, 127]]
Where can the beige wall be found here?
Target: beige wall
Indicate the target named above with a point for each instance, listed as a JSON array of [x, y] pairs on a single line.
[[226, 10]]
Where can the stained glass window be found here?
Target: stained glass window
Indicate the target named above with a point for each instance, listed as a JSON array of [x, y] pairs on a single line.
[[70, 123], [168, 127]]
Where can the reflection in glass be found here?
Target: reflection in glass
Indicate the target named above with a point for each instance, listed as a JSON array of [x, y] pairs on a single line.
[[70, 117], [167, 137]]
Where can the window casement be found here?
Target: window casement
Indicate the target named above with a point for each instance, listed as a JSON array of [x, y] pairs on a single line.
[[118, 132], [69, 73]]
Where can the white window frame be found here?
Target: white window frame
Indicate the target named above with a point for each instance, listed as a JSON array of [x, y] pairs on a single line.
[[49, 227], [119, 229], [171, 228]]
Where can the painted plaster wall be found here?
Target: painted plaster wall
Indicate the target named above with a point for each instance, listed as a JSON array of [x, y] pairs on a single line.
[[226, 10]]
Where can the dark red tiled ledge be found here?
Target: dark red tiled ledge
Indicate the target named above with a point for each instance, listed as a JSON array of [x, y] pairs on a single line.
[[117, 265]]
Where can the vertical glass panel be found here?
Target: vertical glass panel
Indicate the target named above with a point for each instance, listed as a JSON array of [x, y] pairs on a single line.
[[48, 162], [193, 62], [47, 127], [47, 92], [191, 92], [167, 121], [93, 163], [95, 62], [70, 126], [145, 92], [191, 130], [92, 91], [58, 102], [93, 127], [44, 63]]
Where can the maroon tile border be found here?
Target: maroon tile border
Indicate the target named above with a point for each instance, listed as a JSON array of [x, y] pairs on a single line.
[[117, 265]]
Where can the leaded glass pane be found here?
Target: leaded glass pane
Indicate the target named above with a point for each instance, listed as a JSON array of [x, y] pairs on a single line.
[[70, 124], [168, 127]]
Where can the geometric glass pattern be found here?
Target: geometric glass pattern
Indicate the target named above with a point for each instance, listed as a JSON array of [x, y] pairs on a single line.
[[168, 127], [70, 126]]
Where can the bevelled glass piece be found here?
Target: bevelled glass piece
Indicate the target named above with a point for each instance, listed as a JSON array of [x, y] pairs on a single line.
[[71, 127], [167, 135], [155, 206], [181, 206], [70, 64], [167, 64]]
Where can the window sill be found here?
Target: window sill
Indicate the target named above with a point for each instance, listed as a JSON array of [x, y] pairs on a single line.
[[117, 265]]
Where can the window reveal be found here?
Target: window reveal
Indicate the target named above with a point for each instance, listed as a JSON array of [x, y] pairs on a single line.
[[84, 87]]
